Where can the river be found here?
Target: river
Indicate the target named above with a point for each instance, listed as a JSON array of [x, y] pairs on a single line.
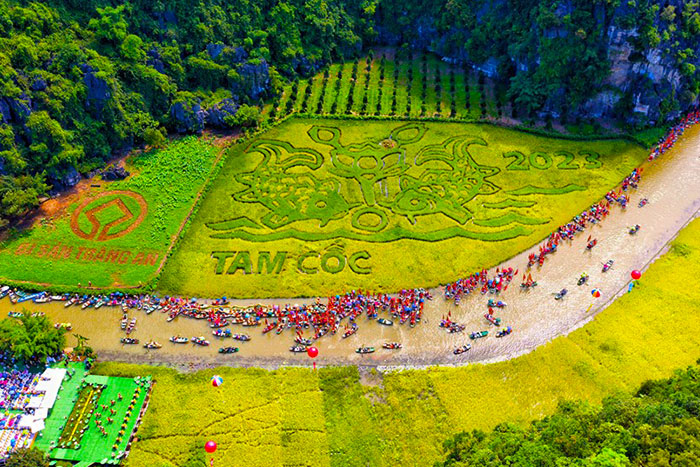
[[671, 184]]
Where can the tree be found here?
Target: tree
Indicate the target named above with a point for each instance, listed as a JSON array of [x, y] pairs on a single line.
[[81, 349], [18, 195], [132, 49], [247, 116], [154, 138], [31, 338], [111, 25], [31, 457]]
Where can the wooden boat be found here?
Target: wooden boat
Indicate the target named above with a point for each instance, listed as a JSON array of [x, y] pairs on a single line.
[[15, 314], [100, 303], [131, 327], [228, 350], [220, 324], [302, 341], [392, 345], [128, 341], [88, 303], [66, 326], [4, 291], [71, 302], [478, 334], [462, 349], [385, 322], [364, 350], [608, 265], [269, 327], [38, 314], [504, 332], [492, 319], [152, 345], [351, 331], [497, 304], [297, 348], [221, 332], [44, 298], [241, 337], [24, 297], [179, 340], [455, 327], [123, 323], [200, 341]]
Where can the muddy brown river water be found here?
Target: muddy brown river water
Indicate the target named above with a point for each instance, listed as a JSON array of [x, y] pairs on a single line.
[[671, 184]]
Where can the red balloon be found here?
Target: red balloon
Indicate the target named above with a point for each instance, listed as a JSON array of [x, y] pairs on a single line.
[[636, 274], [312, 352], [210, 447]]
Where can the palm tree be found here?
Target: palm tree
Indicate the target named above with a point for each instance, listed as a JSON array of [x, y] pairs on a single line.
[[81, 342]]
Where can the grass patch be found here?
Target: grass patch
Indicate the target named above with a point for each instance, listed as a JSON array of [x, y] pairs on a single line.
[[133, 223], [317, 206], [87, 402]]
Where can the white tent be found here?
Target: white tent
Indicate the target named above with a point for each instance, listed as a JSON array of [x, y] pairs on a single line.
[[31, 422], [49, 384]]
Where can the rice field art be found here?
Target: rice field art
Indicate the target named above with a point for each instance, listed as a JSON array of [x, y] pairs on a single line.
[[314, 206], [112, 235]]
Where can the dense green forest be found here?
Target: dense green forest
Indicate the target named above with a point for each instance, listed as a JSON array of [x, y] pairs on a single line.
[[657, 426], [83, 80]]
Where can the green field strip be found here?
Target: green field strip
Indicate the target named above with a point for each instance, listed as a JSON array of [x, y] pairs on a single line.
[[301, 91], [402, 88], [359, 90], [430, 92], [416, 87], [445, 82], [387, 88], [331, 93], [373, 89], [461, 94], [474, 96], [316, 90], [491, 107], [345, 85]]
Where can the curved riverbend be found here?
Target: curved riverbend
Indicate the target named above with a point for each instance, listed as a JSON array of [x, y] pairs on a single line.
[[671, 184]]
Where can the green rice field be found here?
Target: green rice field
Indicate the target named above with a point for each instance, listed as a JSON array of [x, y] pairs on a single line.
[[337, 417], [317, 206], [116, 234]]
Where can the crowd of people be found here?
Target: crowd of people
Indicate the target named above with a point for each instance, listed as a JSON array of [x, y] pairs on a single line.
[[16, 387], [481, 282], [326, 318], [591, 216], [674, 133]]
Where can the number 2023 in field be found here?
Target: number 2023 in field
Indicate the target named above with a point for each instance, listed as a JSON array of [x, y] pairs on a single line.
[[565, 160]]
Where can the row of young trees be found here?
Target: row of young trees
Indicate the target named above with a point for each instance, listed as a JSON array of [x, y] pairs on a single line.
[[360, 86]]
